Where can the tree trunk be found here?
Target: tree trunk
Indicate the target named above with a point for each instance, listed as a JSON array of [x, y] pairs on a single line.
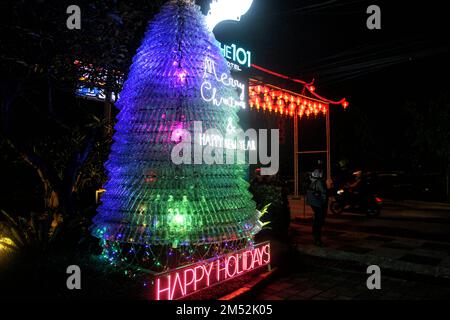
[[73, 172], [107, 115], [10, 96], [447, 182], [49, 93], [51, 196], [49, 179]]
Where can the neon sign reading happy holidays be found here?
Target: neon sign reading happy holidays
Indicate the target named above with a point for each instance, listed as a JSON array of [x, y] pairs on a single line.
[[210, 93], [179, 283]]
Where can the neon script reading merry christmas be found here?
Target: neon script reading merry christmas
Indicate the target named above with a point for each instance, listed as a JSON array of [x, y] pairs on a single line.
[[210, 93], [183, 282]]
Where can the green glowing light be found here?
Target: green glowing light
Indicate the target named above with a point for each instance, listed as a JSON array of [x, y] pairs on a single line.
[[178, 219]]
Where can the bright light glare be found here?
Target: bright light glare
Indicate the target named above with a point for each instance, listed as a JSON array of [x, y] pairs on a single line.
[[226, 10], [178, 219], [5, 244]]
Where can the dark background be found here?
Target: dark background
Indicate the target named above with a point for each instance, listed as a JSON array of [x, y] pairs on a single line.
[[53, 145], [394, 78]]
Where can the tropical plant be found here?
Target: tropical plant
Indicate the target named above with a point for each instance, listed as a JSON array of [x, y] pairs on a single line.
[[30, 236], [263, 212]]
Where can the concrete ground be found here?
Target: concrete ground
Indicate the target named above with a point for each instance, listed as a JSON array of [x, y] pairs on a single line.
[[314, 281], [410, 242]]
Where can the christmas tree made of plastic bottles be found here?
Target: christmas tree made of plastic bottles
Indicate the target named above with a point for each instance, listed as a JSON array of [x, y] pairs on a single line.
[[155, 213]]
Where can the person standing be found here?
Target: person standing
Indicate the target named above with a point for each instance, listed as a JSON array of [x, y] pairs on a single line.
[[316, 197]]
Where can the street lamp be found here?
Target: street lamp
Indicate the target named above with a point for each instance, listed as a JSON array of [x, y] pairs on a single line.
[[226, 10]]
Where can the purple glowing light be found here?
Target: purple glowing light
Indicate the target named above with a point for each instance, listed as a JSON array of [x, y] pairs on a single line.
[[181, 74]]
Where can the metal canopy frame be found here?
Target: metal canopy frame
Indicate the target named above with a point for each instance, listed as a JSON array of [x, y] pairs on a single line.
[[297, 114]]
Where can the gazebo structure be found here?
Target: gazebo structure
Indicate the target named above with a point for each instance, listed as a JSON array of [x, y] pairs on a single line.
[[307, 103]]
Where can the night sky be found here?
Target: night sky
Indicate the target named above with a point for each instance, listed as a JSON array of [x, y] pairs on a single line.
[[329, 41], [376, 70]]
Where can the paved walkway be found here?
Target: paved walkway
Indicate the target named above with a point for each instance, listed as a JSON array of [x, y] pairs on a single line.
[[430, 258], [322, 283], [409, 236], [410, 242]]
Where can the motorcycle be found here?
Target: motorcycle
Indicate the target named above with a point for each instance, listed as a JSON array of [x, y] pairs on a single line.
[[347, 200]]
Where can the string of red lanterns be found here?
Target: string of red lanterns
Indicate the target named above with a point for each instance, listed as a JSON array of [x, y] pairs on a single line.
[[272, 99], [308, 85]]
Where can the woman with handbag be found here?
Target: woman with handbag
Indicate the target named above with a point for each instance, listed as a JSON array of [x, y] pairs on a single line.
[[316, 197]]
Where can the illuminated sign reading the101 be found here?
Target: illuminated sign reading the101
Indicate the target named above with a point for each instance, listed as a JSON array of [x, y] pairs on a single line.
[[235, 54]]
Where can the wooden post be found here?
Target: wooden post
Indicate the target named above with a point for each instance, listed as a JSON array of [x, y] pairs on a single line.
[[107, 111], [296, 154], [447, 178], [329, 180]]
